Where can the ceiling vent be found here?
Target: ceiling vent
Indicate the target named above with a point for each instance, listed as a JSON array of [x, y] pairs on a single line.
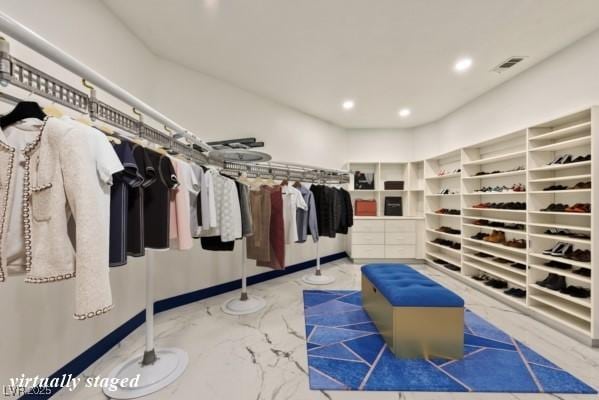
[[508, 64]]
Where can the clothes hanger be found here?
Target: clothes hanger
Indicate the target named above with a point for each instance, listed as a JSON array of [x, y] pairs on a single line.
[[52, 110], [23, 110]]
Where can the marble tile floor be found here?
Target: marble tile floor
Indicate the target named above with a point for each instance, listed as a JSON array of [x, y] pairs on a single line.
[[263, 356]]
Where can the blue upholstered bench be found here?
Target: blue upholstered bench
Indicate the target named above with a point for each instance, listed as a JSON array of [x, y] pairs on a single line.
[[417, 317]]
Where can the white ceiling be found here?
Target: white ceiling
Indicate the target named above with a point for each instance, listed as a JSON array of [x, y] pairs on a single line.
[[384, 54]]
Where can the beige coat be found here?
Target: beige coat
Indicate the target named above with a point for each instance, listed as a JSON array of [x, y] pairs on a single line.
[[59, 183]]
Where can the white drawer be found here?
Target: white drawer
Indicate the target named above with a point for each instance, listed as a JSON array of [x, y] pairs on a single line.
[[368, 225], [400, 251], [400, 238], [368, 238], [400, 226], [368, 251]]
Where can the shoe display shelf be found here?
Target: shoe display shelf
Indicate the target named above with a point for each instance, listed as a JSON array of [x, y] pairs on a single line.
[[442, 174], [560, 173], [494, 176], [541, 179]]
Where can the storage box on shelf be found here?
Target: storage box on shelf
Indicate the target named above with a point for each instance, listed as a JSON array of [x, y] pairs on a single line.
[[534, 187], [383, 236]]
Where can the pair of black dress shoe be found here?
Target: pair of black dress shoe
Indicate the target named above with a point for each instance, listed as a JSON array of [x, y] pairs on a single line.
[[553, 282], [514, 292], [496, 283]]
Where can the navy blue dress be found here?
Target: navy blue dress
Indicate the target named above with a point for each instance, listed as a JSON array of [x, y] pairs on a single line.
[[123, 183]]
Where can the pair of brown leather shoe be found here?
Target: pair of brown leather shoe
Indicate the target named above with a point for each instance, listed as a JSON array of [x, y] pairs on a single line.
[[495, 237], [516, 243]]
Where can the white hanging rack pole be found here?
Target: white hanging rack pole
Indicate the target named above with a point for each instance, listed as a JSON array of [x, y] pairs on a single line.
[[244, 304]]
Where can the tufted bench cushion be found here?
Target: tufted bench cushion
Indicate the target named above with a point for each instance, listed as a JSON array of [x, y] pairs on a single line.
[[404, 287]]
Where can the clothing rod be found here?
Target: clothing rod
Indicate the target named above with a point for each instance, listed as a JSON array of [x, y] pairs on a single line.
[[28, 37]]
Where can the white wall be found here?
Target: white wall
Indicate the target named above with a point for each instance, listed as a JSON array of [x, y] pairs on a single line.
[[559, 85], [39, 333], [563, 83], [379, 145]]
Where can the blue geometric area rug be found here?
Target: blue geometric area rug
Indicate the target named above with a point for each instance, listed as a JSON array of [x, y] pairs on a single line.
[[346, 352]]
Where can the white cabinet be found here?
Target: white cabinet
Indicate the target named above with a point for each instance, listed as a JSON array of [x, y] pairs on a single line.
[[386, 238], [368, 225]]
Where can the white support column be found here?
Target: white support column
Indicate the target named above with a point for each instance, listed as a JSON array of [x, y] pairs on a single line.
[[245, 304], [156, 369], [317, 278]]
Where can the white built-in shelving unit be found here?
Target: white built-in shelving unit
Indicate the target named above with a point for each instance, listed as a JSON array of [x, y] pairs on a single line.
[[442, 172], [384, 237], [519, 158], [522, 157], [411, 173]]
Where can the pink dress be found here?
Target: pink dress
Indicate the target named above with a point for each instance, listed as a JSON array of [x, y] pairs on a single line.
[[180, 209]]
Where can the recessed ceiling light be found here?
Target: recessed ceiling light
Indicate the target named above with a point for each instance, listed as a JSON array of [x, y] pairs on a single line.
[[405, 112], [463, 64], [348, 104]]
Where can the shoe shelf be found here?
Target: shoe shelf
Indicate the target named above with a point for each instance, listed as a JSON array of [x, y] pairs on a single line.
[[450, 258], [508, 256], [566, 144], [561, 317], [446, 176], [575, 263], [490, 261], [497, 246], [556, 293], [561, 167], [570, 214], [447, 248], [496, 175], [496, 159], [493, 219], [560, 238], [561, 178], [495, 228], [567, 191], [430, 259], [494, 193], [443, 195], [501, 210], [563, 272], [488, 289], [560, 226], [452, 236], [566, 132], [574, 310], [442, 215], [500, 273]]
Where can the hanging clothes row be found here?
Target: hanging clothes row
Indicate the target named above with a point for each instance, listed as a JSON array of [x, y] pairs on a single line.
[[76, 201]]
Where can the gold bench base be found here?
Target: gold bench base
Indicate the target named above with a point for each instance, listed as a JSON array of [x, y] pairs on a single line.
[[416, 332]]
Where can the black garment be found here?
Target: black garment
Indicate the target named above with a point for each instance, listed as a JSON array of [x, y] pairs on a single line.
[[346, 213], [123, 183], [214, 243], [328, 206], [135, 207], [199, 203], [156, 199]]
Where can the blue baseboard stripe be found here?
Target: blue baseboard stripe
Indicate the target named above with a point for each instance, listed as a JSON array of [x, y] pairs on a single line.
[[89, 356]]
